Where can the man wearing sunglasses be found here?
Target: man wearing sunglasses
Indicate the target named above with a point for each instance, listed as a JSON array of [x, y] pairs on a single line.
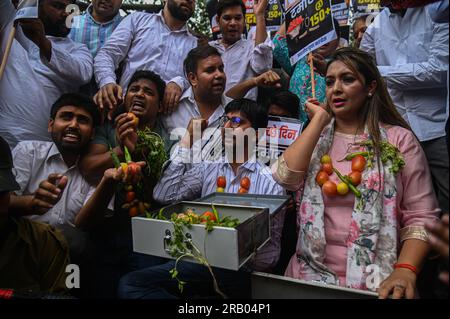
[[180, 181]]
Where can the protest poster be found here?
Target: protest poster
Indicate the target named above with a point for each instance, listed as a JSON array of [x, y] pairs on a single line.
[[287, 4], [280, 133], [365, 7], [340, 11], [273, 15], [27, 9], [309, 25]]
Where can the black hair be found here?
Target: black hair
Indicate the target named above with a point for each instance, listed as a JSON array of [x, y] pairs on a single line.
[[286, 100], [151, 76], [254, 112], [196, 54], [224, 4], [78, 100]]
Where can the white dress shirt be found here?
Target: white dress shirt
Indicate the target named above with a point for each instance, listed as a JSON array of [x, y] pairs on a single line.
[[143, 41], [178, 121], [31, 84], [181, 181], [412, 55], [243, 60], [34, 161]]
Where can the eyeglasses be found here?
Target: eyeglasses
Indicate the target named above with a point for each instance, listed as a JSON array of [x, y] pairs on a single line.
[[235, 121]]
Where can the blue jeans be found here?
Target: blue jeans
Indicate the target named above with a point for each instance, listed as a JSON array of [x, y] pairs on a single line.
[[156, 282]]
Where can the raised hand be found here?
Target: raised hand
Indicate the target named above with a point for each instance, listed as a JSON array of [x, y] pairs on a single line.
[[268, 79], [48, 193], [171, 99], [109, 97], [126, 131], [259, 7]]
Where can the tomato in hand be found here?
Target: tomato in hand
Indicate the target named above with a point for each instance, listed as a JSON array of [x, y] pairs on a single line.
[[133, 168], [245, 183], [130, 197], [134, 117], [221, 182], [358, 163], [327, 168], [329, 188], [355, 178], [321, 178], [133, 211]]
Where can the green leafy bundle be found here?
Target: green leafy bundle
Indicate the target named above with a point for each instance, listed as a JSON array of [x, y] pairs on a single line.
[[151, 147], [388, 152]]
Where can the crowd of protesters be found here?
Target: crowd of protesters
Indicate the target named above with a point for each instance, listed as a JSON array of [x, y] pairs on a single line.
[[73, 99]]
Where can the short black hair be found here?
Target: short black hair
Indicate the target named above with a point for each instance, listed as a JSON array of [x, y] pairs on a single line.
[[151, 76], [254, 112], [224, 4], [286, 100], [78, 100], [196, 54]]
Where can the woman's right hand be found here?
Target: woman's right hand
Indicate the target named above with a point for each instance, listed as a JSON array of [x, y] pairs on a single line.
[[318, 111]]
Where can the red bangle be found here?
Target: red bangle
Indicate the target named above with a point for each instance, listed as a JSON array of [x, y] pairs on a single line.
[[407, 266]]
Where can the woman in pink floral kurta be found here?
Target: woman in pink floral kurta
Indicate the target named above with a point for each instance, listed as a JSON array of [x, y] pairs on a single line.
[[349, 241]]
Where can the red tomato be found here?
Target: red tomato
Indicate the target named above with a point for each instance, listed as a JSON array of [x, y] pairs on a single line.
[[135, 118], [208, 216], [245, 183], [242, 190], [133, 211], [133, 168], [327, 168], [130, 196], [358, 163], [329, 188], [221, 182], [321, 178], [355, 178]]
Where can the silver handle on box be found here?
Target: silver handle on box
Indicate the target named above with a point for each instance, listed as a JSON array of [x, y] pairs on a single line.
[[166, 240]]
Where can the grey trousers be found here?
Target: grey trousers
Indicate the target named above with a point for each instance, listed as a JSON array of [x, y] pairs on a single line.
[[436, 152]]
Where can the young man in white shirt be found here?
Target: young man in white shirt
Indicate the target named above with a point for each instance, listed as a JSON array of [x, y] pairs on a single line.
[[204, 97], [243, 58], [42, 65], [52, 189], [142, 41], [181, 182]]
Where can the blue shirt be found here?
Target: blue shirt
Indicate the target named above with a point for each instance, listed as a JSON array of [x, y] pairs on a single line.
[[92, 33]]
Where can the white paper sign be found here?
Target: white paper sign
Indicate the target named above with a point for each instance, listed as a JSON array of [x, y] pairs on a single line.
[[27, 9]]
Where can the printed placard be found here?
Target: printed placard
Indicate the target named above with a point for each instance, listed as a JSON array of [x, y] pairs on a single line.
[[280, 133], [309, 25]]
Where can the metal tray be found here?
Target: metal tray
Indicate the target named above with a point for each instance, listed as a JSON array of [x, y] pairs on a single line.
[[272, 202], [228, 248], [268, 286]]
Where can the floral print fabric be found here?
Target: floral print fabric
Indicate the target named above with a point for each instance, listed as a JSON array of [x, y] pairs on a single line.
[[373, 231]]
